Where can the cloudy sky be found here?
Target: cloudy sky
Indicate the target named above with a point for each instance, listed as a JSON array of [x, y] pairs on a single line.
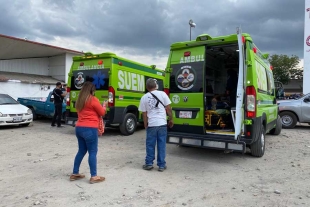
[[143, 30]]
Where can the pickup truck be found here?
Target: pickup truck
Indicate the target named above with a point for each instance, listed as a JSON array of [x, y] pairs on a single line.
[[42, 107], [293, 111]]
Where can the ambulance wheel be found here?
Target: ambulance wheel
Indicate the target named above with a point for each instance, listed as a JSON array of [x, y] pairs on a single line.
[[278, 128], [129, 125], [258, 147]]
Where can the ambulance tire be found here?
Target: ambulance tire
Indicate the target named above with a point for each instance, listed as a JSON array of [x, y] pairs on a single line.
[[129, 124], [258, 147], [278, 128]]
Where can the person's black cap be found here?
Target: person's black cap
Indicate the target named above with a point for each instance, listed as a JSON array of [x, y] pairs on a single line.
[[58, 84]]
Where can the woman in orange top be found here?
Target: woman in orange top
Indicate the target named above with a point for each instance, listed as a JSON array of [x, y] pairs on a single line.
[[89, 112]]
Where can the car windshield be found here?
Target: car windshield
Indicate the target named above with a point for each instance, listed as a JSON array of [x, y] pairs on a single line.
[[307, 95], [298, 96], [6, 99], [301, 96]]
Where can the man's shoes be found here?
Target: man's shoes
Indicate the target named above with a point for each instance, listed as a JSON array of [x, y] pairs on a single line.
[[53, 125], [147, 167], [162, 169]]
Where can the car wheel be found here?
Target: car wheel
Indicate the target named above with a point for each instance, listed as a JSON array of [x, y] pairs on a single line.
[[278, 128], [34, 115], [288, 119], [258, 147], [129, 124]]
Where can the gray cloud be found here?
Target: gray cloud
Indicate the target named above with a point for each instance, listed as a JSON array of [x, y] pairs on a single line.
[[149, 27]]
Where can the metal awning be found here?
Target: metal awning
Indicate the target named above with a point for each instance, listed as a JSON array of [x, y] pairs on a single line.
[[16, 48]]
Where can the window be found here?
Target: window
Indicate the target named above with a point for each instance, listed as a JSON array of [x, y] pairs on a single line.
[[187, 78], [261, 77], [100, 78], [271, 85], [159, 82], [6, 99]]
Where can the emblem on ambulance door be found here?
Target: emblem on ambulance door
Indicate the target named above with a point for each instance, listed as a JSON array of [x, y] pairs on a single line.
[[79, 80], [185, 78]]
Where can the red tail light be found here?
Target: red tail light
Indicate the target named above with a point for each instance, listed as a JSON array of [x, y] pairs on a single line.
[[243, 39], [166, 90], [250, 102], [68, 96], [111, 100]]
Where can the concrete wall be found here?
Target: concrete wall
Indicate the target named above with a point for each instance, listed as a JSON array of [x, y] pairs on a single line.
[[17, 90], [57, 67], [68, 64], [39, 66]]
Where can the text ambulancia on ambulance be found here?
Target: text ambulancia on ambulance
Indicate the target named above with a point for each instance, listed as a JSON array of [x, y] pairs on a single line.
[[118, 80], [223, 94]]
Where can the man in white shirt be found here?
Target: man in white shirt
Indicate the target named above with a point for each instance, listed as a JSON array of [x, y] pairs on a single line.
[[155, 105]]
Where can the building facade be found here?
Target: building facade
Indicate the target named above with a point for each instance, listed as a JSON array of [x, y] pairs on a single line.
[[31, 69]]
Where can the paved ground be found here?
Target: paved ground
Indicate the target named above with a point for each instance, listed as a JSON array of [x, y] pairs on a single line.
[[36, 161]]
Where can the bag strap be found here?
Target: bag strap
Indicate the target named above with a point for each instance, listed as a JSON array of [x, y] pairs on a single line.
[[158, 101], [55, 93]]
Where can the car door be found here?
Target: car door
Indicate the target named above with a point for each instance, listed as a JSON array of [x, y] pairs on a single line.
[[240, 86], [305, 109], [186, 90], [49, 107]]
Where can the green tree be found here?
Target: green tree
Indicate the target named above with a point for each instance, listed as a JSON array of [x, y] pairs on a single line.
[[284, 66]]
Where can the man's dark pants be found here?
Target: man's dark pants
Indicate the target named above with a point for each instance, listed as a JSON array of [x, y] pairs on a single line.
[[57, 114]]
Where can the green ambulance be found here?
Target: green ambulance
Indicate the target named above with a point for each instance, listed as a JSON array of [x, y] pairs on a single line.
[[118, 80], [205, 115]]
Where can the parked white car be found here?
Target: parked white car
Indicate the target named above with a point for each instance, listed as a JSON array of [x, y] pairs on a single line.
[[13, 113]]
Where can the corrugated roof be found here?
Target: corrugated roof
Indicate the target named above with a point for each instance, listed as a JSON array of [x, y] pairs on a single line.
[[27, 78], [16, 48]]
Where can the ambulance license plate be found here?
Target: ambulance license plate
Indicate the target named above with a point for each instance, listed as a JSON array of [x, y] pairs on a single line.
[[185, 114]]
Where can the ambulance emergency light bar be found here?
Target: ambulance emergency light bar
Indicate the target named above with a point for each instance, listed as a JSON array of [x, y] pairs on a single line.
[[203, 43], [203, 37]]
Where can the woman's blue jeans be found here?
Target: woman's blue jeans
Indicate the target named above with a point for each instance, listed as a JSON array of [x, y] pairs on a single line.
[[153, 135], [88, 142]]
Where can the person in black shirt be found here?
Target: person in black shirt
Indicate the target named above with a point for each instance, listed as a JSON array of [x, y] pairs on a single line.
[[58, 100]]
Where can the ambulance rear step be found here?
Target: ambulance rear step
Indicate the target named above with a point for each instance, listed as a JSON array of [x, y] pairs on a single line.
[[206, 142]]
